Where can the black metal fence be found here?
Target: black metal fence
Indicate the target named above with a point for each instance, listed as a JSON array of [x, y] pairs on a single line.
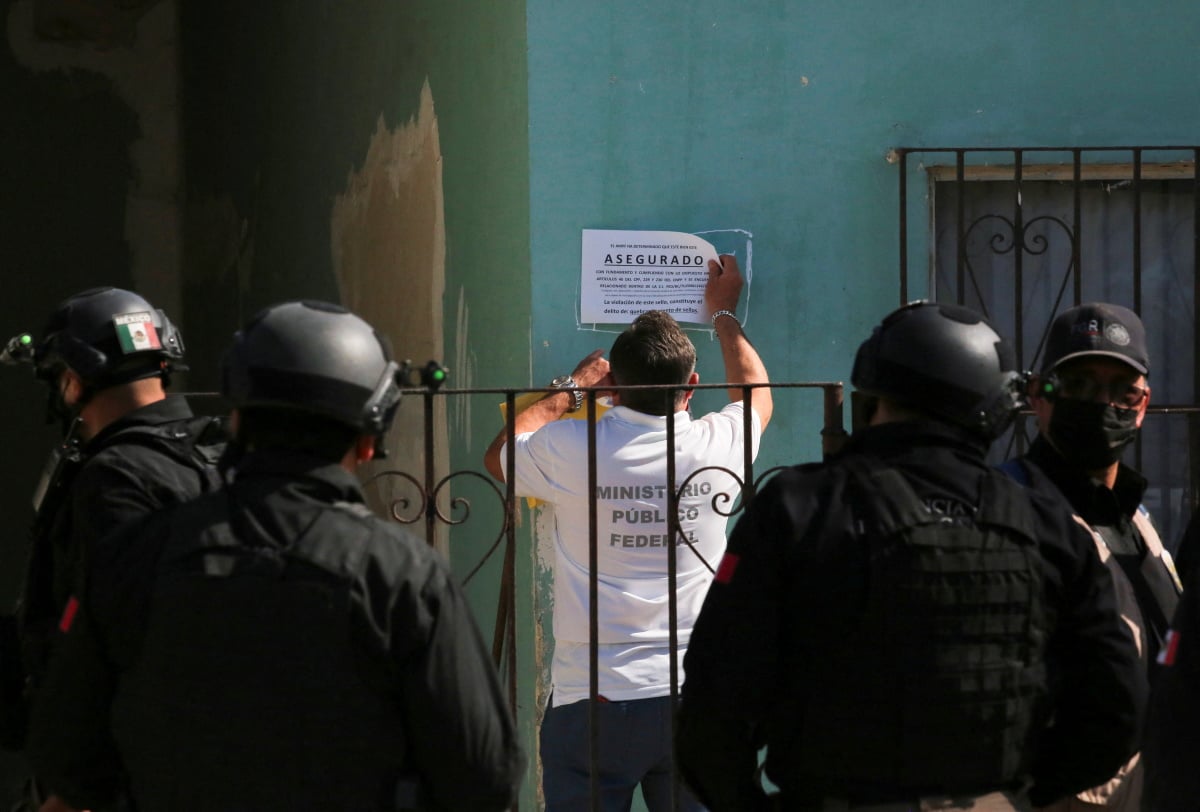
[[425, 501], [428, 503], [1021, 233]]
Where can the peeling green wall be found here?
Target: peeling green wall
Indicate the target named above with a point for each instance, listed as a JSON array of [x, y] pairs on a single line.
[[281, 102]]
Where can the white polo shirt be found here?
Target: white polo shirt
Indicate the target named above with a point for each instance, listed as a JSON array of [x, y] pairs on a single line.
[[631, 499]]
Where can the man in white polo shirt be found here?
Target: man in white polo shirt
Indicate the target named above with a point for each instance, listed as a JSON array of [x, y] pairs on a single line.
[[634, 709]]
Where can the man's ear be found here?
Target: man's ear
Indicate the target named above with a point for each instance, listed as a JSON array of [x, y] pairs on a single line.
[[70, 386], [1142, 409], [364, 449], [1040, 394], [1039, 387], [685, 397]]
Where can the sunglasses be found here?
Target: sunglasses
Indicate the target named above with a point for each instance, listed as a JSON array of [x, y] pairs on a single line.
[[1126, 394]]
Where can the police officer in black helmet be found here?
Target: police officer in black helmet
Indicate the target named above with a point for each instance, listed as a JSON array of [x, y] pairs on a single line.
[[274, 645], [1090, 400], [106, 356], [902, 627]]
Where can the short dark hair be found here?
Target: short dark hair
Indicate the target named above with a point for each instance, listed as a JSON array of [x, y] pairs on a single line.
[[294, 430], [653, 350]]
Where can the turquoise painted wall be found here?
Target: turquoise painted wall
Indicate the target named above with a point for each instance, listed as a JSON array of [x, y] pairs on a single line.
[[775, 117]]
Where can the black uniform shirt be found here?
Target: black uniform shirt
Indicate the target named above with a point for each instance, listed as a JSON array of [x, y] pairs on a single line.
[[274, 646], [1172, 748], [1095, 503], [119, 481], [115, 481], [786, 585], [1110, 513]]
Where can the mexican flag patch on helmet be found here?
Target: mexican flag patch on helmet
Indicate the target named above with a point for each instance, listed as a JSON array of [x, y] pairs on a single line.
[[136, 332]]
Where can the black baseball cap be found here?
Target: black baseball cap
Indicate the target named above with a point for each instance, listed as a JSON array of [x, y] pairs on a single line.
[[1097, 328]]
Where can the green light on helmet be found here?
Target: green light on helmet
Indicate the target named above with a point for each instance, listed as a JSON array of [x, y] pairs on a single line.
[[433, 375]]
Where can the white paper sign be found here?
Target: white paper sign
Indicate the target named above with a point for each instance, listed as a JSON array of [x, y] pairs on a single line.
[[626, 273]]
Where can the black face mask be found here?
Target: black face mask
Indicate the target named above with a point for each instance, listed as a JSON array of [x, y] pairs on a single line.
[[1089, 434]]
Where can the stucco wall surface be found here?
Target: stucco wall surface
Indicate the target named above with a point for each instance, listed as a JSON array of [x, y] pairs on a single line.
[[775, 117]]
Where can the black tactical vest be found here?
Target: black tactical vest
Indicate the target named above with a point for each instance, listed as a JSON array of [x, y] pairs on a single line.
[[56, 564], [937, 685], [249, 691]]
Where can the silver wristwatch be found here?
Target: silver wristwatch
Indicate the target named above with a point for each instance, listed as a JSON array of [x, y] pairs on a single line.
[[568, 383]]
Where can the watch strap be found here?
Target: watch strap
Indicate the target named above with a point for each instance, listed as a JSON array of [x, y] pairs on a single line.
[[567, 384]]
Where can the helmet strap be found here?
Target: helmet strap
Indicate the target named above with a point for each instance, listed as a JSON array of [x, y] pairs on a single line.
[[57, 408]]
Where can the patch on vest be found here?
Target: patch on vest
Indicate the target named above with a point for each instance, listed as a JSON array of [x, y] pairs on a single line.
[[950, 511], [68, 616], [726, 568], [1170, 649]]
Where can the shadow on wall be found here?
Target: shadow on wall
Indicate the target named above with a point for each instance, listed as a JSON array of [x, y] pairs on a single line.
[[69, 172], [102, 23]]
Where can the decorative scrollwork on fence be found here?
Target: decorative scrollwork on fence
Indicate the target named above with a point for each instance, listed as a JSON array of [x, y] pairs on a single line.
[[1031, 241], [723, 504], [459, 502], [1038, 244], [1029, 237], [426, 506], [720, 497], [397, 506]]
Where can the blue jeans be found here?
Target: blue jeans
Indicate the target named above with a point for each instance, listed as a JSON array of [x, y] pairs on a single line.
[[635, 748]]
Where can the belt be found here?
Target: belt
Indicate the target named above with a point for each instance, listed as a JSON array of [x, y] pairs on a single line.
[[842, 805], [991, 802]]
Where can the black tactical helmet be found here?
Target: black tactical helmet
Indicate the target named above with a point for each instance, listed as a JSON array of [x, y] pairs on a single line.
[[108, 336], [313, 357], [945, 360]]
